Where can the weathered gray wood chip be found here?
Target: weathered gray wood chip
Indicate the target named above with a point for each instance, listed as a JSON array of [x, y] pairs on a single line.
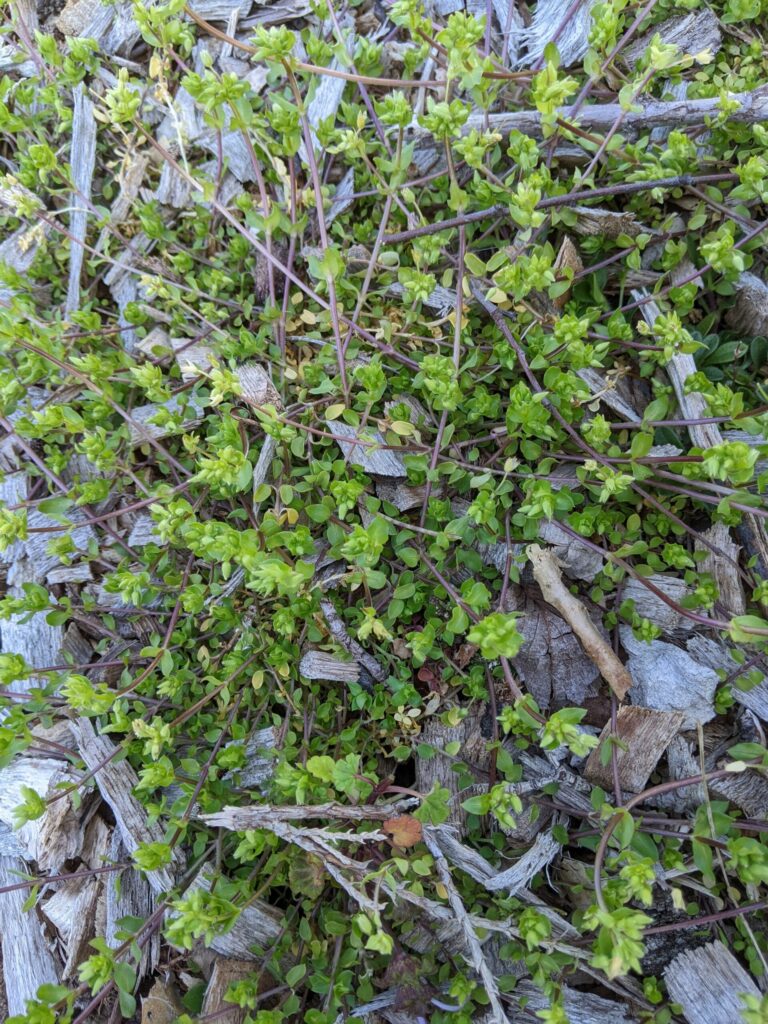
[[260, 924], [56, 836], [691, 33], [708, 982], [116, 781], [377, 460], [83, 161], [549, 18], [27, 960], [321, 665], [668, 679], [142, 428]]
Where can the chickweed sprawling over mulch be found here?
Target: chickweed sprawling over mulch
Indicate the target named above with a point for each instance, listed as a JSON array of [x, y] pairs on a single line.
[[385, 603]]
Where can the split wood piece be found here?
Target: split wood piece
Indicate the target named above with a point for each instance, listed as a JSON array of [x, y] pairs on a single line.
[[551, 663], [591, 220], [80, 572], [650, 606], [221, 10], [668, 679], [123, 277], [19, 251], [573, 791], [82, 161], [691, 33], [27, 960], [260, 754], [708, 983], [474, 947], [681, 764], [128, 894], [72, 911], [12, 60], [547, 573], [225, 973], [259, 924], [342, 197], [438, 770], [340, 634], [749, 108], [581, 1007], [116, 781], [172, 416], [602, 387], [130, 177], [441, 300], [323, 845], [239, 819], [33, 562], [747, 790], [722, 563], [717, 656], [162, 1004], [326, 99], [235, 150], [256, 387], [56, 836], [35, 640], [552, 19], [511, 881], [321, 665], [577, 560], [361, 448], [113, 26], [754, 536], [749, 313], [403, 496], [646, 734], [680, 367], [144, 531], [156, 344]]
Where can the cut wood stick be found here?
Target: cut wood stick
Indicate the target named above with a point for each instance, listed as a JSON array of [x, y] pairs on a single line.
[[240, 819], [749, 108], [547, 574]]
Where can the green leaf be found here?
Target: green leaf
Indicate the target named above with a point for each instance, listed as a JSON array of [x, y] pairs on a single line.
[[322, 767], [434, 808], [738, 629], [294, 975], [127, 1003], [477, 804], [124, 976]]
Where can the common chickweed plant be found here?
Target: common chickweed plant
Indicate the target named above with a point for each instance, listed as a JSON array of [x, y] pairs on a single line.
[[484, 403]]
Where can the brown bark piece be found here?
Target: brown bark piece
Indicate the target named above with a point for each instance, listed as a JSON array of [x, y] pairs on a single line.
[[224, 974], [646, 733]]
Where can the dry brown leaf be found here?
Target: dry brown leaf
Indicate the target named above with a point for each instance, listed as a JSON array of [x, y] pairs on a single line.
[[405, 831], [161, 1005]]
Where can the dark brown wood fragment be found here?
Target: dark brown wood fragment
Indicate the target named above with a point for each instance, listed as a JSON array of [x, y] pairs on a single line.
[[646, 734]]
